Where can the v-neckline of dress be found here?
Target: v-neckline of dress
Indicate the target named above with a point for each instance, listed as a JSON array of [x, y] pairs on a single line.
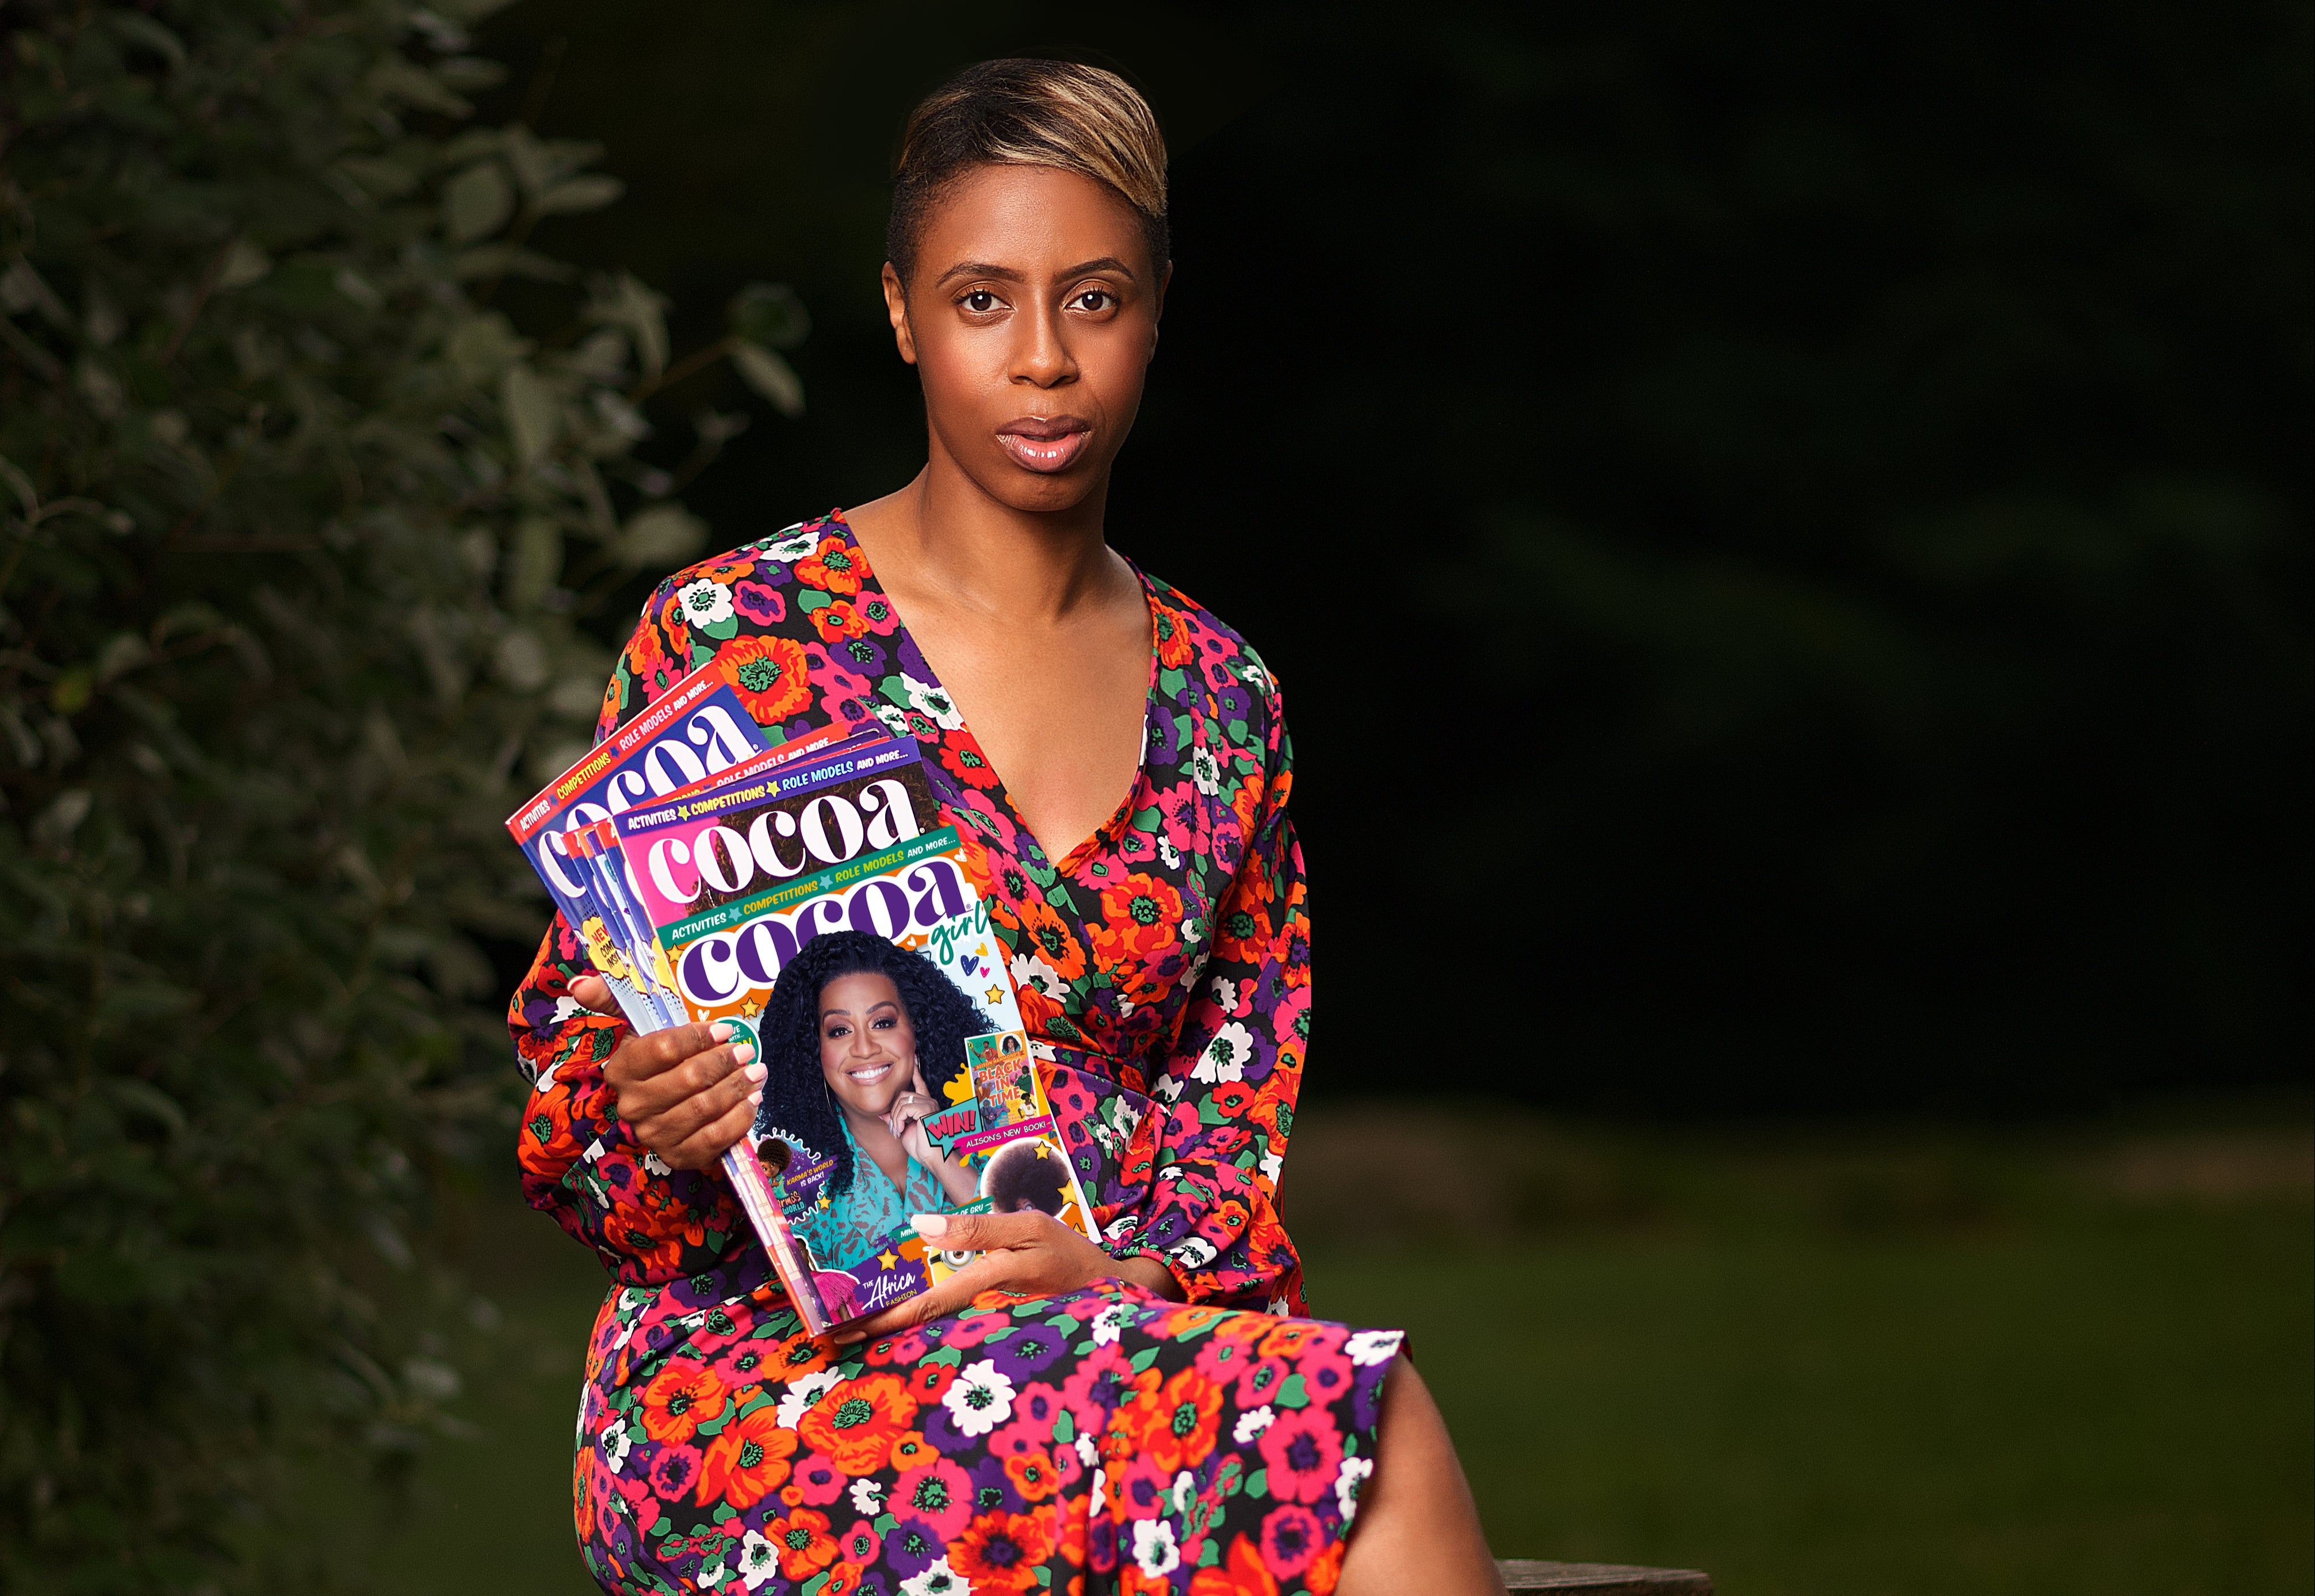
[[963, 736]]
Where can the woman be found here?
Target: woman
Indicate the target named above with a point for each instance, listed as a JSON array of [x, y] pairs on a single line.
[[1106, 1418], [858, 1038]]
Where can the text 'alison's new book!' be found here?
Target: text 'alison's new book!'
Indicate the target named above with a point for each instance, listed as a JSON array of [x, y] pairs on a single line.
[[822, 909], [796, 891]]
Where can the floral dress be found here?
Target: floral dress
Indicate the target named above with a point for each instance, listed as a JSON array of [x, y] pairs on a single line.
[[1103, 1439]]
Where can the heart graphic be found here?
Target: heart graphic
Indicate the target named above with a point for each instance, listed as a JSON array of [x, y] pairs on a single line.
[[969, 965]]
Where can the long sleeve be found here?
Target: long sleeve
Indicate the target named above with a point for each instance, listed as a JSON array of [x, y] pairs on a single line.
[[1224, 1089], [650, 1224]]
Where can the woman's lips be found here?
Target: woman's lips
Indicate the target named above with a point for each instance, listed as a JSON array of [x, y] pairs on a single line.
[[1045, 444], [868, 1075]]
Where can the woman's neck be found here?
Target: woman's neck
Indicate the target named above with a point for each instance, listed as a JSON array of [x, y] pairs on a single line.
[[943, 541]]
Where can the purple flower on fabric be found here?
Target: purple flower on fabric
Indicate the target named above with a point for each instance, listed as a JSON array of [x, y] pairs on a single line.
[[910, 1546], [992, 1487], [759, 602], [675, 1471], [1029, 1350]]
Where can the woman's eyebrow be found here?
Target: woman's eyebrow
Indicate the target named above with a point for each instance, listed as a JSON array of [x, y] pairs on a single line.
[[1007, 273]]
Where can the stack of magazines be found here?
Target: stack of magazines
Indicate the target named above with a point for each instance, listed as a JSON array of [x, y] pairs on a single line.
[[807, 894]]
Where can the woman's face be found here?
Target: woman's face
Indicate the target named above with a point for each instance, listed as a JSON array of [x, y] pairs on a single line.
[[867, 1047], [1030, 318]]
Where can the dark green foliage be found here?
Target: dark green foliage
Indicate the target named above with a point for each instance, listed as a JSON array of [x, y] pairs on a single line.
[[296, 530]]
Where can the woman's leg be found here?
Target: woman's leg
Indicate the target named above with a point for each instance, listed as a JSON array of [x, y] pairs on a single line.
[[1418, 1528]]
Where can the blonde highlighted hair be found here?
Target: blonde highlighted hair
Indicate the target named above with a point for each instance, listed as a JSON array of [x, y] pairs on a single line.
[[1029, 113]]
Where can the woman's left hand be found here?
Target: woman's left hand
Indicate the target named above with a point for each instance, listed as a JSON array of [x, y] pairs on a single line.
[[1026, 1252]]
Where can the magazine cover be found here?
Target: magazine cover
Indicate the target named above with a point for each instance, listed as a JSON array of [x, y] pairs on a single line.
[[1017, 1144], [865, 987]]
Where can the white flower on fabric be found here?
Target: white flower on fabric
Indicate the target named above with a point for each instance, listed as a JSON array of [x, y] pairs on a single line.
[[1226, 994], [939, 1580], [928, 700], [980, 1399], [1169, 853], [1168, 1087], [759, 1559], [1254, 673], [1194, 1253], [655, 1164], [1087, 1454], [713, 1575], [1185, 1491], [1205, 771], [1108, 1324], [617, 1444], [1353, 1475], [788, 550], [1029, 970], [1126, 1225], [867, 1497], [564, 1008], [1370, 1347], [1154, 1547], [706, 602], [1251, 1424], [895, 719], [1272, 1162], [1224, 1056], [802, 1392]]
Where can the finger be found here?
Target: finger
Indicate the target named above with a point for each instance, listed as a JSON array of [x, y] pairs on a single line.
[[593, 992], [712, 1141], [655, 1052], [951, 1296], [673, 1123], [649, 1096], [984, 1232]]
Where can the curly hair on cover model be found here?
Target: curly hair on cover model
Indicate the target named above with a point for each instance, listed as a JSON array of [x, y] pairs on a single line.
[[941, 1016]]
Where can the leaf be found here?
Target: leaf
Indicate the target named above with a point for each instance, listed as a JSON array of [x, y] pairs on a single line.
[[770, 315], [534, 412], [245, 264], [771, 376], [505, 260], [625, 302], [591, 192], [658, 535], [139, 29], [477, 202], [536, 561]]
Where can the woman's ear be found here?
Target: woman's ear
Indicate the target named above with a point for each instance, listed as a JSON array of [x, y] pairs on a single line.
[[896, 309]]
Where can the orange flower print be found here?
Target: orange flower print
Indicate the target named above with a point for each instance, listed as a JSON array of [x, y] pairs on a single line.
[[1001, 1551], [856, 1423], [802, 1541], [1057, 944], [1140, 919], [1033, 1475], [770, 675], [1181, 1424], [911, 1451], [748, 1461], [1243, 1575], [831, 567], [682, 1398], [1171, 635], [838, 621]]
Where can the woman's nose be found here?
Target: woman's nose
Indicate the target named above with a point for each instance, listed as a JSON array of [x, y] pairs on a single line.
[[1042, 358]]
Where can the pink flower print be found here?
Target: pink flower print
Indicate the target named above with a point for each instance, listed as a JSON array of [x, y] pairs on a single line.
[[1302, 1450], [820, 1480], [1291, 1536], [759, 602], [940, 1493], [877, 610], [1260, 1382], [835, 679]]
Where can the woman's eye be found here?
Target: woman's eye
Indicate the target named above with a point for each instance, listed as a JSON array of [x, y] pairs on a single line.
[[980, 302], [1095, 299], [885, 1023]]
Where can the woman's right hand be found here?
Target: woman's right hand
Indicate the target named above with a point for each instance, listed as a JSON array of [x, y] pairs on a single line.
[[688, 1094]]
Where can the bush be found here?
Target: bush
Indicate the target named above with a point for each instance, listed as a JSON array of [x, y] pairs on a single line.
[[299, 533]]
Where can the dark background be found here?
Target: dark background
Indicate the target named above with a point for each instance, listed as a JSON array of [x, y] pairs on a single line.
[[1784, 531]]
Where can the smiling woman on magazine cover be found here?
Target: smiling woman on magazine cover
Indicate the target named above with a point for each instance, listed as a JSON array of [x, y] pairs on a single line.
[[1149, 1415]]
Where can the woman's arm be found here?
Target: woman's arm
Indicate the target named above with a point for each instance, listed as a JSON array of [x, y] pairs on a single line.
[[1226, 1090]]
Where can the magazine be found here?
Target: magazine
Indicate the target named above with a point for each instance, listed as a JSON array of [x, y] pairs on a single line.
[[869, 987]]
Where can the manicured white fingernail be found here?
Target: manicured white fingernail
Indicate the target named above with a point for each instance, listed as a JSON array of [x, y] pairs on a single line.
[[720, 1030], [744, 1051], [754, 1072], [756, 1096], [931, 1226]]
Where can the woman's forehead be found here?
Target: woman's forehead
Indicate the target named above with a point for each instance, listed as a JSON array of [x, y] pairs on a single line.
[[1034, 220]]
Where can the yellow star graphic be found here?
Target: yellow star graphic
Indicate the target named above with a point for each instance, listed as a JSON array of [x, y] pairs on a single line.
[[886, 1259], [996, 994]]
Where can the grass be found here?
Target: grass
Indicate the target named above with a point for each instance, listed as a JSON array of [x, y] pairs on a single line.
[[1913, 1363]]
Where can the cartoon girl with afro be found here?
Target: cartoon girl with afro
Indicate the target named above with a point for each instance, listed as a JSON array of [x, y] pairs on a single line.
[[861, 1041]]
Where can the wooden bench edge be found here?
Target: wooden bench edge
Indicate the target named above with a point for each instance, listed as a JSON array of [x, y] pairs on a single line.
[[1600, 1579]]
